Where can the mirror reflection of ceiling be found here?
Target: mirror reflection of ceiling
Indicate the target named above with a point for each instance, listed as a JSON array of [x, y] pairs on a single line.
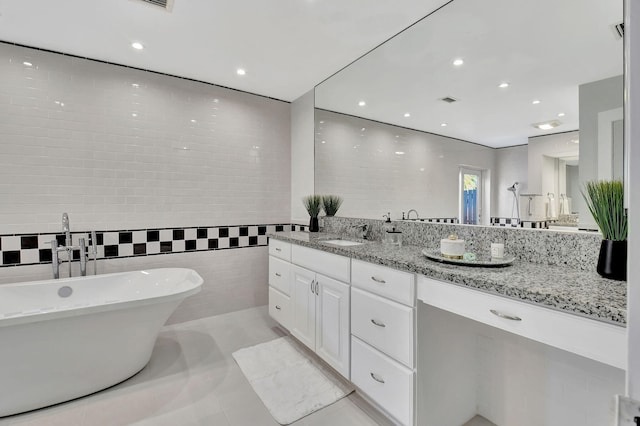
[[543, 49]]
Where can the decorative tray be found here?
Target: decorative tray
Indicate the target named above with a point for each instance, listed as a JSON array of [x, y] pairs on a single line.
[[484, 262]]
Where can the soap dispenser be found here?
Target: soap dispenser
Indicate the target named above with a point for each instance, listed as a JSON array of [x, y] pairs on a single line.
[[387, 226], [389, 233]]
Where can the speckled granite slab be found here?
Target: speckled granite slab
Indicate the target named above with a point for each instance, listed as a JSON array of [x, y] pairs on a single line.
[[571, 290], [576, 250]]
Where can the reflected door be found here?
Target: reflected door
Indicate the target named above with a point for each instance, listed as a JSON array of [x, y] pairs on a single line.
[[470, 196]]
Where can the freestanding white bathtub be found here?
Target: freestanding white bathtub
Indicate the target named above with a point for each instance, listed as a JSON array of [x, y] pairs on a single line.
[[62, 339]]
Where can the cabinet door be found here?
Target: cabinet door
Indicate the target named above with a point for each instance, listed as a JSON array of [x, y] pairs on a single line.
[[332, 323], [304, 306]]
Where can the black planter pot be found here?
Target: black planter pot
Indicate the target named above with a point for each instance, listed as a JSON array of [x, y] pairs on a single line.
[[313, 225], [612, 261]]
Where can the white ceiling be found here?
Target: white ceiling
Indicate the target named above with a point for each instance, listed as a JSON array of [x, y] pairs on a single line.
[[286, 46], [543, 48]]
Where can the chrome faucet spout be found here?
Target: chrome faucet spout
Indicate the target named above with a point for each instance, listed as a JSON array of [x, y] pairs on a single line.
[[409, 214]]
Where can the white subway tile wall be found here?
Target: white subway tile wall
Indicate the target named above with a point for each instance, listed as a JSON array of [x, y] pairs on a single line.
[[379, 168], [119, 148], [122, 149]]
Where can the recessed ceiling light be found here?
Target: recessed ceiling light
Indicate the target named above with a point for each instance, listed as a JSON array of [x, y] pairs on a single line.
[[135, 85], [362, 103], [29, 64], [547, 125], [137, 45], [443, 124], [133, 114], [458, 62], [363, 129], [240, 71], [193, 121], [406, 114], [399, 152], [503, 85], [561, 114], [536, 102], [324, 141]]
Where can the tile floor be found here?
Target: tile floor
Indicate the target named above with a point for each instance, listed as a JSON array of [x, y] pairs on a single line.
[[192, 379]]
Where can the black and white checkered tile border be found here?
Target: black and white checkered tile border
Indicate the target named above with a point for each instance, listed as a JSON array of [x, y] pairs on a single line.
[[442, 220], [31, 249], [505, 221], [436, 219], [517, 223]]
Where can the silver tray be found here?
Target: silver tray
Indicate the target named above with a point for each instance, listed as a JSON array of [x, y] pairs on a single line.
[[488, 262]]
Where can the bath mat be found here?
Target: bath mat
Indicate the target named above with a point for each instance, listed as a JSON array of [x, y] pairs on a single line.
[[288, 381]]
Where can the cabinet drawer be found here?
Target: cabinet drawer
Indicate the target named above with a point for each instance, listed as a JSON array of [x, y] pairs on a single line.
[[280, 308], [386, 282], [384, 324], [331, 265], [279, 272], [586, 337], [280, 249], [387, 382]]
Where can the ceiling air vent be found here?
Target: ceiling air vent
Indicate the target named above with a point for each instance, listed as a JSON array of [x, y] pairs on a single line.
[[618, 30], [165, 4], [449, 99]]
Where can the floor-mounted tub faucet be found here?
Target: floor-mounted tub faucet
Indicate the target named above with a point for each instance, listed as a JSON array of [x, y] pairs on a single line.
[[69, 248]]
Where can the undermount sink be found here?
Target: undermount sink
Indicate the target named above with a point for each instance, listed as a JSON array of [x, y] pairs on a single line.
[[344, 243]]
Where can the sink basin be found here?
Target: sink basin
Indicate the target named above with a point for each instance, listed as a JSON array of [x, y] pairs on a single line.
[[343, 243]]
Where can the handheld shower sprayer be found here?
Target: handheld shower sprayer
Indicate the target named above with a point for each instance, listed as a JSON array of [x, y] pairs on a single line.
[[516, 205]]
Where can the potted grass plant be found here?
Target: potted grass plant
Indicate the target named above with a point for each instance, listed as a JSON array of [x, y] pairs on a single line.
[[331, 204], [313, 204], [605, 200]]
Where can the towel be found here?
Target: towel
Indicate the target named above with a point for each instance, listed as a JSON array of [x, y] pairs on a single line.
[[551, 208]]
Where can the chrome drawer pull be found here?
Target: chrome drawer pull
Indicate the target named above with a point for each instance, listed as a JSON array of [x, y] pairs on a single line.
[[278, 307], [378, 280], [278, 249], [378, 323], [505, 316], [278, 274], [377, 378], [312, 290]]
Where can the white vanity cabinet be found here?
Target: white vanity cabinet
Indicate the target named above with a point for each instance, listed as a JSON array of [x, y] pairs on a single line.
[[383, 337], [280, 307], [309, 296], [321, 316]]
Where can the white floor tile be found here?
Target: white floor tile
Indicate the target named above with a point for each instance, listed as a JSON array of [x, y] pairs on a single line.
[[192, 379]]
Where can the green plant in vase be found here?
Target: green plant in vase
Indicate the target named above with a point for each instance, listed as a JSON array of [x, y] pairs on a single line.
[[313, 204], [605, 200], [331, 204]]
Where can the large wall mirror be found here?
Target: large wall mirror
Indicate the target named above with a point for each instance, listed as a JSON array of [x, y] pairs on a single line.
[[499, 108]]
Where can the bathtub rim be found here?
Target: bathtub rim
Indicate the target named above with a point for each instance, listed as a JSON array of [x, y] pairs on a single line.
[[32, 317]]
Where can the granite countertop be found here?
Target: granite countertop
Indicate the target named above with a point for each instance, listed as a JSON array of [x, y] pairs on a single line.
[[562, 288]]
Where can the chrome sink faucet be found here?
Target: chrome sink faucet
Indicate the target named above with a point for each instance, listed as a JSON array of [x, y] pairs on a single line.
[[409, 214]]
